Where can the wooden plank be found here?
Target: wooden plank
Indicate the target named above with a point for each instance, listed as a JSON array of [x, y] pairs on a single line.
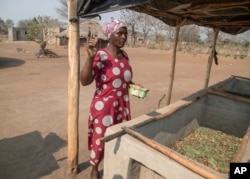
[[245, 78], [243, 147], [229, 96], [230, 92]]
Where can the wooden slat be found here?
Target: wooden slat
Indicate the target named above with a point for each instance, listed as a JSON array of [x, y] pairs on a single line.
[[241, 77], [243, 147], [229, 96]]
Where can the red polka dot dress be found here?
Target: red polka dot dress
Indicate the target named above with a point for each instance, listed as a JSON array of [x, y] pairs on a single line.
[[110, 104]]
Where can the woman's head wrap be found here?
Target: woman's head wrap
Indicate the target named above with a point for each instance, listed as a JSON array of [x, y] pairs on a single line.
[[112, 26]]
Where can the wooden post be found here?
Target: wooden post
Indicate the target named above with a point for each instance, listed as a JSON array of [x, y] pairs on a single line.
[[210, 59], [170, 87], [73, 87]]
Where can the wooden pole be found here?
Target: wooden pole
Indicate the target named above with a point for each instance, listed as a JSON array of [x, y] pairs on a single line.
[[210, 59], [171, 154], [73, 87], [170, 87]]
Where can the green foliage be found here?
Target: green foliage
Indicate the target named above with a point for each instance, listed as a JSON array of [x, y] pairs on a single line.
[[189, 33], [246, 44], [3, 27], [152, 45], [38, 29], [23, 23], [9, 23], [34, 30]]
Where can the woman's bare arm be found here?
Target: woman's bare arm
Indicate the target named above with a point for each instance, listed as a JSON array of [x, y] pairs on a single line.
[[86, 72]]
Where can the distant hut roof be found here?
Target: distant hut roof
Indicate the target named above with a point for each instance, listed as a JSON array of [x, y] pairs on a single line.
[[85, 27]]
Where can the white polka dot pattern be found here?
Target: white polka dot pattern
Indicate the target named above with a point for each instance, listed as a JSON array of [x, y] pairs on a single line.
[[110, 104], [107, 120], [116, 71], [127, 75], [99, 105], [117, 83]]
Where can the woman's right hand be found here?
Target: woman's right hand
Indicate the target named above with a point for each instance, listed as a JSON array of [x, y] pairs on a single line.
[[92, 47]]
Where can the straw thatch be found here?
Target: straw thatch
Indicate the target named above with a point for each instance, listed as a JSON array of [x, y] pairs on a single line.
[[87, 26]]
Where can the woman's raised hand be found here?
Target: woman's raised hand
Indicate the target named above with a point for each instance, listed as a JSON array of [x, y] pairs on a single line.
[[92, 46]]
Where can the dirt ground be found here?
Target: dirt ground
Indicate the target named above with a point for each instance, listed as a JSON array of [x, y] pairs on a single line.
[[33, 108]]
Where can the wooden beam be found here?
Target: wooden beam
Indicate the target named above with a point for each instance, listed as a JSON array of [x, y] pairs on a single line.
[[230, 96], [170, 87], [73, 87], [219, 5], [210, 59], [242, 77]]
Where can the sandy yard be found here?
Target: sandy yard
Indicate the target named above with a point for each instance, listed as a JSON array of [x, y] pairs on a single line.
[[33, 108]]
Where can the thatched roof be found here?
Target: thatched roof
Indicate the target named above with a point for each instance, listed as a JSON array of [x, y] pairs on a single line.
[[87, 26], [230, 16]]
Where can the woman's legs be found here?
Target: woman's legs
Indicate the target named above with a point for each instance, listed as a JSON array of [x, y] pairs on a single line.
[[94, 172]]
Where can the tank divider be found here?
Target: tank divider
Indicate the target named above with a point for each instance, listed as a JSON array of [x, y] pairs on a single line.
[[222, 93]]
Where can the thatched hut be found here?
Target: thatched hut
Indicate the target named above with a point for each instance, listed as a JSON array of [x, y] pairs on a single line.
[[86, 27]]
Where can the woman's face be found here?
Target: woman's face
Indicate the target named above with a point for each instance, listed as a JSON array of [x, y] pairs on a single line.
[[119, 37]]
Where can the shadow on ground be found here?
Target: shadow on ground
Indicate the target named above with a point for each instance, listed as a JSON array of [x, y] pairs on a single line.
[[6, 62], [29, 156]]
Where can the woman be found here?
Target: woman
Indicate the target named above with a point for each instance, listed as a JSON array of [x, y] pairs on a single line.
[[110, 69]]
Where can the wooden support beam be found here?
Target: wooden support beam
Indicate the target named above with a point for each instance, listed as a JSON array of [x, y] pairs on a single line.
[[170, 87], [73, 87], [210, 59]]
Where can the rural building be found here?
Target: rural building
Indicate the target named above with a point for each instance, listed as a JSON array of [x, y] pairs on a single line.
[[86, 27], [16, 34]]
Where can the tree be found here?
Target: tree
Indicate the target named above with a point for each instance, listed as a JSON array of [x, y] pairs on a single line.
[[3, 27], [189, 33], [39, 30], [130, 18], [9, 23], [170, 31], [159, 28], [23, 23], [146, 24], [63, 10]]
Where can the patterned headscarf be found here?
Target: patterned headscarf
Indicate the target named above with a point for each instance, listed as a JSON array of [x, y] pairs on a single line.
[[112, 26]]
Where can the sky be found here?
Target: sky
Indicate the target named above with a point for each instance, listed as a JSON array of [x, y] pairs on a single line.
[[27, 9]]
